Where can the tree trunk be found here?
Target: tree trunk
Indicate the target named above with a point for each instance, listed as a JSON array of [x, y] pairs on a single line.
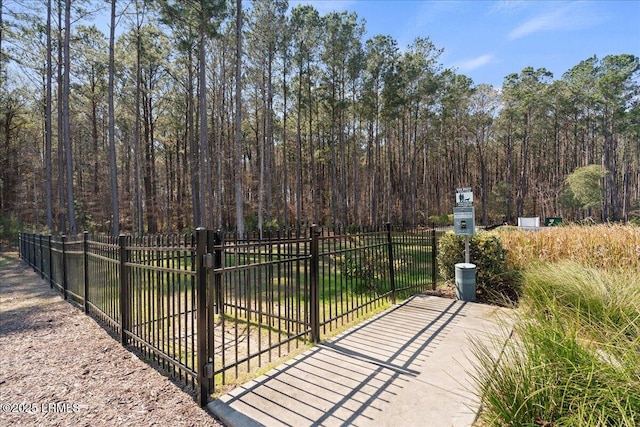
[[66, 89], [285, 181], [193, 147], [47, 118], [62, 218], [113, 168], [204, 155], [238, 131], [299, 152], [269, 150], [136, 131], [314, 175]]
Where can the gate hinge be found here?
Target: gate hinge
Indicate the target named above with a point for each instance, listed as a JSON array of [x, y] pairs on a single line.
[[208, 370], [207, 260]]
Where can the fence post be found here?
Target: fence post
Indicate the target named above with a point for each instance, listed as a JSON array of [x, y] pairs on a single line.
[[217, 263], [434, 255], [201, 313], [32, 250], [212, 304], [124, 289], [392, 274], [314, 297], [50, 262], [41, 257], [85, 256], [63, 239]]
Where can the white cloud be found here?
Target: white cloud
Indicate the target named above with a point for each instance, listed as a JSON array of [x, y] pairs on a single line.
[[549, 21], [474, 63], [569, 17], [510, 6]]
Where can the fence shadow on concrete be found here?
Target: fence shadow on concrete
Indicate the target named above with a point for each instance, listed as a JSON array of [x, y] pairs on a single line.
[[353, 379]]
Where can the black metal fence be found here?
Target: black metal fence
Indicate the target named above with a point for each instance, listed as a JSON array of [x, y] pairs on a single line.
[[209, 307]]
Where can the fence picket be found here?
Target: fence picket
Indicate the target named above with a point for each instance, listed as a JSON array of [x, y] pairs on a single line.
[[124, 290], [207, 318]]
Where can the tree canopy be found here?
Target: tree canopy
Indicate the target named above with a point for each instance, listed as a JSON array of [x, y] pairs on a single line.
[[585, 186], [289, 119]]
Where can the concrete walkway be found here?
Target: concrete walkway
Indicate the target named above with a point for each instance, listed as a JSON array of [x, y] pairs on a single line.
[[409, 366]]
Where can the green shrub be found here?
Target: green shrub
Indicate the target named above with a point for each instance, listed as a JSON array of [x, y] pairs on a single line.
[[494, 282], [364, 270], [363, 266]]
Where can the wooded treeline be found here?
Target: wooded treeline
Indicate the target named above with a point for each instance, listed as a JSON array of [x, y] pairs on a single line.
[[198, 113]]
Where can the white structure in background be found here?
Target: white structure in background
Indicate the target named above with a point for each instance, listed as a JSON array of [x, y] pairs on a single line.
[[529, 223]]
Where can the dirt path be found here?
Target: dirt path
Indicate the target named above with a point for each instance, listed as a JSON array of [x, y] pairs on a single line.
[[58, 367]]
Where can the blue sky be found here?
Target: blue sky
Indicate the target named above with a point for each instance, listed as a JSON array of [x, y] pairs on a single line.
[[487, 40]]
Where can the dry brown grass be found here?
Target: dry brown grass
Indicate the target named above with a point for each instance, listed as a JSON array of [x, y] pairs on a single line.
[[609, 246]]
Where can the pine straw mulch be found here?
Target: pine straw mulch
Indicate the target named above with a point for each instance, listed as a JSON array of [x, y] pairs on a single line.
[[59, 367]]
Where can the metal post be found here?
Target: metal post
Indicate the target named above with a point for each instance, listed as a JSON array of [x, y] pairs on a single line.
[[124, 289], [212, 307], [217, 263], [201, 312], [41, 259], [434, 258], [467, 256], [50, 262], [85, 256], [314, 297], [31, 249], [392, 275], [63, 239]]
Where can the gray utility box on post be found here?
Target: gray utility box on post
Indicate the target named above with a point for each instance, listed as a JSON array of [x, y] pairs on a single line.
[[466, 281], [464, 221]]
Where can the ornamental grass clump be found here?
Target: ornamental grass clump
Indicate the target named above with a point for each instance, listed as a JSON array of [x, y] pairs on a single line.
[[601, 301], [574, 355]]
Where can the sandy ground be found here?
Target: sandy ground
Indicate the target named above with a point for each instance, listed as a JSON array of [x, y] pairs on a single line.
[[59, 367]]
